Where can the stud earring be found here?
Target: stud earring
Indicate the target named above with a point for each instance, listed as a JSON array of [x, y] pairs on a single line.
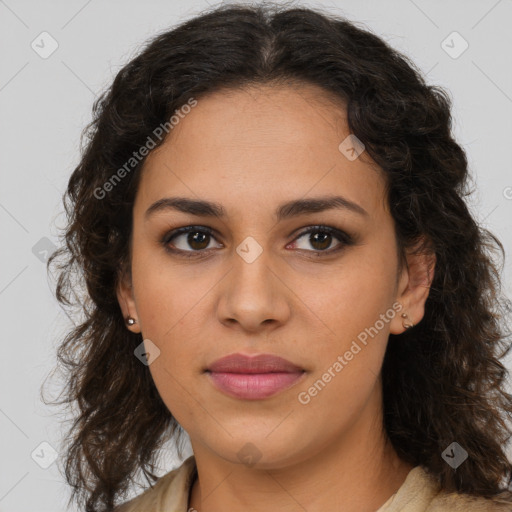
[[130, 320], [406, 324]]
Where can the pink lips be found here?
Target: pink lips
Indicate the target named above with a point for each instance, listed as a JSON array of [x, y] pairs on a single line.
[[253, 377]]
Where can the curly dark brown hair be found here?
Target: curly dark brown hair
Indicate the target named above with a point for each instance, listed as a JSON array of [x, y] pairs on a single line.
[[442, 380]]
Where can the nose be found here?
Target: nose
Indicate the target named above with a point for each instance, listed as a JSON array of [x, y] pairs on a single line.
[[253, 296]]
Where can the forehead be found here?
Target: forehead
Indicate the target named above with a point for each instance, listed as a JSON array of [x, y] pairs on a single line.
[[259, 142], [263, 115]]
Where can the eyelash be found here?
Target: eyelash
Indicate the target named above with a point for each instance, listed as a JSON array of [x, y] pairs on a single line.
[[344, 238]]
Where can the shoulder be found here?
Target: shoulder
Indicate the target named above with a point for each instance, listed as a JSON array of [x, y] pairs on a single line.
[[443, 501], [454, 502], [459, 502], [171, 490], [421, 492]]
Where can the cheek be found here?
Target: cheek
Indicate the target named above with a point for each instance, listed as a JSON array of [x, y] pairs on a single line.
[[172, 322], [352, 296], [166, 292], [349, 357], [348, 361], [169, 304], [175, 387], [337, 401]]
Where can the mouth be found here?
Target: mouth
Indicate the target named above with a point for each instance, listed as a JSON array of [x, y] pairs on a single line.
[[253, 377]]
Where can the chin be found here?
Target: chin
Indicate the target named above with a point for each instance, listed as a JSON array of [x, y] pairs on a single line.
[[259, 452]]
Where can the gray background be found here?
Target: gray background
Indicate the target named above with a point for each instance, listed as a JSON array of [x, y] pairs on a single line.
[[46, 102]]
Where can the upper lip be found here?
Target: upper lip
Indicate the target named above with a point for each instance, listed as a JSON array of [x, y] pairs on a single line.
[[261, 363]]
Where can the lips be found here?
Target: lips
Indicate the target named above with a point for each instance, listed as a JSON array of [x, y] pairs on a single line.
[[253, 377], [263, 363]]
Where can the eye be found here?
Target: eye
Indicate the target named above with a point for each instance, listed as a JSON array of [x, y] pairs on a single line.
[[192, 241], [321, 239], [189, 239]]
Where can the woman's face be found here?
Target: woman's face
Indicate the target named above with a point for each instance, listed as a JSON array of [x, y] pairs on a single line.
[[325, 302]]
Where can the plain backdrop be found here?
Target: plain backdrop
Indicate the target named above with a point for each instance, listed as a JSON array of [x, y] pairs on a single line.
[[46, 100]]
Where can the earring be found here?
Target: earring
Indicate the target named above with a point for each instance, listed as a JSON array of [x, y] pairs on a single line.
[[406, 324], [130, 320]]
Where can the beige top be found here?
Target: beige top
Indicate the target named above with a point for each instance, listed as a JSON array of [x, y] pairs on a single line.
[[419, 493]]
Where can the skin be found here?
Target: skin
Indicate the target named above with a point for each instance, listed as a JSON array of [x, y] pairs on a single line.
[[251, 150]]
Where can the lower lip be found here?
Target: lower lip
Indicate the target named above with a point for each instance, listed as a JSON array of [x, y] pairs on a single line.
[[253, 386]]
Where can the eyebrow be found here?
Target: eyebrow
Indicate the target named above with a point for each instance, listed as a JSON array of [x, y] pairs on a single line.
[[285, 211]]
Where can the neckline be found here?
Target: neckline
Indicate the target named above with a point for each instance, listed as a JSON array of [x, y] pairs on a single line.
[[416, 475]]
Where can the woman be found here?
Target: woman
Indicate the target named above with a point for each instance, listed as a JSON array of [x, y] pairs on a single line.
[[269, 220]]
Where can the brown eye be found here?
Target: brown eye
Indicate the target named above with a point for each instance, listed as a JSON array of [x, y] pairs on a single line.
[[189, 240], [319, 239], [198, 240]]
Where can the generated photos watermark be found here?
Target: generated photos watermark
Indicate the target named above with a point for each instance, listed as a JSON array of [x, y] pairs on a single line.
[[137, 156], [305, 397]]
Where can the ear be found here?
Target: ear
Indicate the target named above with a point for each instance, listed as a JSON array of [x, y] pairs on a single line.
[[126, 299], [413, 288]]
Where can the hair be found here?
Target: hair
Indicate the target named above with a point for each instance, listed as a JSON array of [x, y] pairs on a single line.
[[442, 379]]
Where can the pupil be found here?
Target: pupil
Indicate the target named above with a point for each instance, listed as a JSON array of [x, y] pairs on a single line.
[[195, 238], [318, 240]]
